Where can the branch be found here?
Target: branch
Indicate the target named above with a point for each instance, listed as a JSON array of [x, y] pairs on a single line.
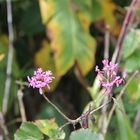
[[56, 108], [10, 57], [3, 126], [137, 120], [70, 121], [118, 49], [80, 118], [21, 105]]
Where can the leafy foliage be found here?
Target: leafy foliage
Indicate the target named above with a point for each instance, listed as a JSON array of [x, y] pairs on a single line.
[[132, 58], [77, 47], [131, 50], [67, 37], [50, 128], [85, 134], [133, 89], [124, 126], [28, 131], [37, 130]]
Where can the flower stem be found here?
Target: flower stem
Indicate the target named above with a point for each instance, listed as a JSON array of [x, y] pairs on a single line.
[[56, 108], [118, 49], [70, 121], [119, 96]]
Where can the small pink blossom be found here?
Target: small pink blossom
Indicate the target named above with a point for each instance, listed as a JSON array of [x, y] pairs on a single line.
[[108, 75], [40, 79]]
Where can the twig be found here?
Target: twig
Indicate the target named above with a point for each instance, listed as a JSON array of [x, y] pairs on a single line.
[[10, 57], [58, 110], [79, 118], [103, 105], [118, 49], [119, 96], [21, 83], [104, 114], [70, 121], [21, 105], [3, 126], [64, 125], [137, 120]]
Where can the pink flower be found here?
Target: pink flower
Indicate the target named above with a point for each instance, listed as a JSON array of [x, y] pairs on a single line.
[[108, 75], [40, 79]]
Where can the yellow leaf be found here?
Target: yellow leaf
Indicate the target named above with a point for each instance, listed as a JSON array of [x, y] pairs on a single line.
[[47, 11], [85, 20], [108, 8], [4, 40], [69, 36], [1, 56]]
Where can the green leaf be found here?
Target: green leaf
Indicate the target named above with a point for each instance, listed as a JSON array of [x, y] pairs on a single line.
[[133, 62], [85, 13], [131, 50], [131, 43], [50, 128], [96, 10], [133, 89], [124, 127], [70, 39], [85, 134], [28, 131]]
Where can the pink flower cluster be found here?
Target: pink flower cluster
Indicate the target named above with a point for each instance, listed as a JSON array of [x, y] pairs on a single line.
[[108, 75], [40, 79]]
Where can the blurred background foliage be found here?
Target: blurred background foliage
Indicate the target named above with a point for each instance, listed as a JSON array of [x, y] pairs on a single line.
[[67, 37]]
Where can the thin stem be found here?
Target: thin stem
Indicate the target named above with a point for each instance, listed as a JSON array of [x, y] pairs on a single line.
[[21, 83], [103, 105], [106, 56], [64, 125], [79, 118], [10, 57], [70, 121], [3, 126], [118, 49], [136, 120], [104, 114], [21, 105], [58, 110], [119, 96]]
